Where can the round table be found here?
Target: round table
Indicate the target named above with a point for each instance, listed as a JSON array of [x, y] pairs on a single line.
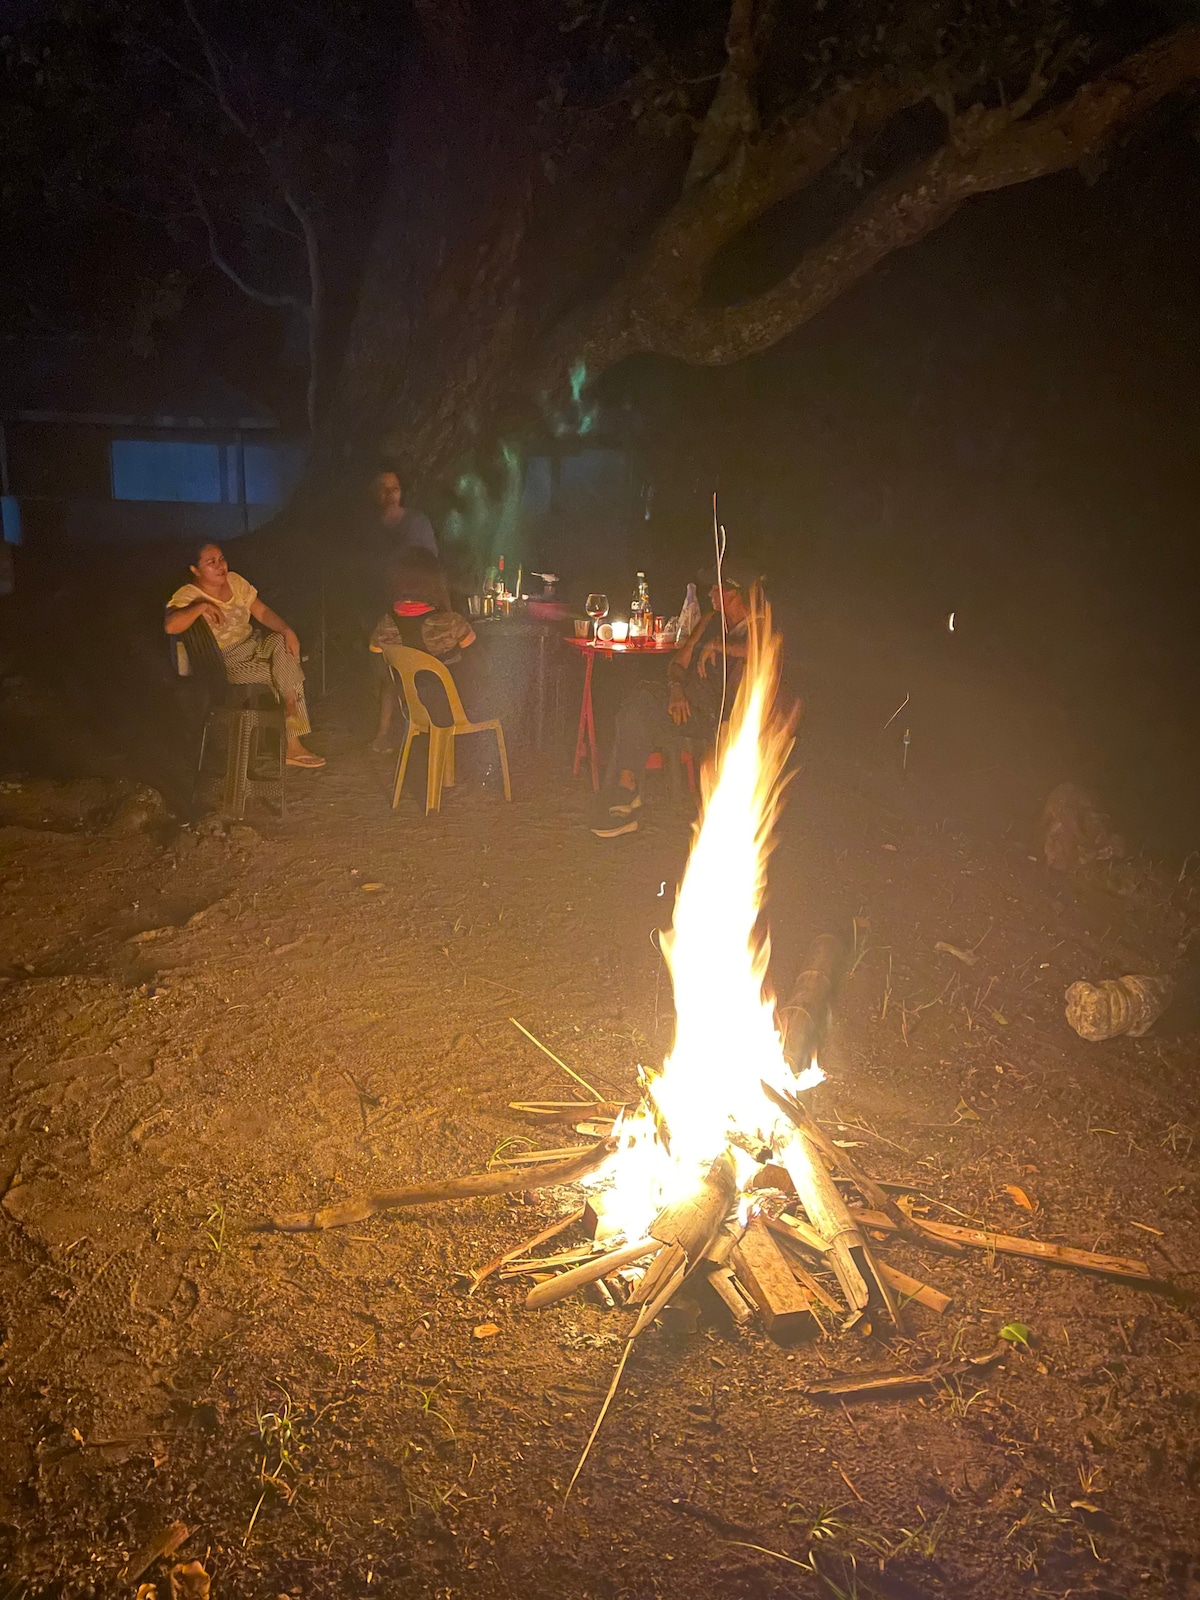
[[589, 649]]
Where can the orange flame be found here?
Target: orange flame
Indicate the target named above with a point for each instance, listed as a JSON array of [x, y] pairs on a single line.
[[708, 1096]]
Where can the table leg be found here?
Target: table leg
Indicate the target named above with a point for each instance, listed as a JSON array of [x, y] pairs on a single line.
[[541, 690], [586, 734], [592, 738]]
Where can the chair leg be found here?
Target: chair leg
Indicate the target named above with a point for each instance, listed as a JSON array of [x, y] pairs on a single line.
[[237, 758], [503, 754], [437, 765], [199, 773], [448, 765], [402, 765]]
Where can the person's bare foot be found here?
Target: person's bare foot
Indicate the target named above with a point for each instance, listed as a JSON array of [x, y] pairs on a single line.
[[382, 745]]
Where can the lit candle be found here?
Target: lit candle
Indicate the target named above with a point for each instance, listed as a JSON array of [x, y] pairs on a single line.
[[620, 631]]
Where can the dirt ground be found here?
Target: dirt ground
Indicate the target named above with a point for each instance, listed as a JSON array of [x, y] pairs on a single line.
[[198, 1030]]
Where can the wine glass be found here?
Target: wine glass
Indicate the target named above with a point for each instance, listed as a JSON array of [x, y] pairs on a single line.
[[596, 606]]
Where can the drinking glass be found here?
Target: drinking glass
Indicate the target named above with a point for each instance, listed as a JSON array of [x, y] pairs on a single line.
[[596, 606]]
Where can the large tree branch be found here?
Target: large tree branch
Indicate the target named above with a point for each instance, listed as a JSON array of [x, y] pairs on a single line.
[[639, 316], [733, 116], [223, 264]]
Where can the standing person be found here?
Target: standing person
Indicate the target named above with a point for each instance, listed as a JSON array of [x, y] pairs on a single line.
[[399, 528], [700, 689], [227, 602]]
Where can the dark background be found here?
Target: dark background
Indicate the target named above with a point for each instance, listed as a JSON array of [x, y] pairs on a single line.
[[1003, 422]]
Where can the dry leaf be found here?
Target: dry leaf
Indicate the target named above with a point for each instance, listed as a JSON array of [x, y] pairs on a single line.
[[370, 888], [486, 1330], [189, 1581], [147, 1591], [1020, 1197]]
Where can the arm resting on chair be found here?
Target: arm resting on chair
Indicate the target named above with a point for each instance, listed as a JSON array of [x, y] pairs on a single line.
[[180, 618], [261, 612]]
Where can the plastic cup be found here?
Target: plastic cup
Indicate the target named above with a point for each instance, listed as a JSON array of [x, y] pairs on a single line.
[[582, 627]]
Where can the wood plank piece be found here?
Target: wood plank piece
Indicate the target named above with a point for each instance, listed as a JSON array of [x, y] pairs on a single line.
[[913, 1289], [803, 1277], [1054, 1255], [766, 1275]]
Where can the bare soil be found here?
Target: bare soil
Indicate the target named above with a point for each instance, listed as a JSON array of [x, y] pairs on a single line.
[[198, 1030]]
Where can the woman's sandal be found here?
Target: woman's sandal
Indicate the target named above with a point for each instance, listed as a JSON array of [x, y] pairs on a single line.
[[306, 760]]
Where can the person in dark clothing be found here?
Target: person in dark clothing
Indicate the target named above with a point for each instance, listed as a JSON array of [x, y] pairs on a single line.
[[399, 528], [420, 616], [699, 691]]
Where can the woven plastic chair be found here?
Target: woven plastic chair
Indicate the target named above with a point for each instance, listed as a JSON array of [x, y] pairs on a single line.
[[246, 710]]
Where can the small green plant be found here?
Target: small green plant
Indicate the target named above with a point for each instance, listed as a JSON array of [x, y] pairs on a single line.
[[959, 1404], [427, 1397], [1016, 1333], [215, 1219], [826, 1524], [919, 1541], [1177, 1134]]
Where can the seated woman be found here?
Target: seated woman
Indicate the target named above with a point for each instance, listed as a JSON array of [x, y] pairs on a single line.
[[227, 602], [421, 617]]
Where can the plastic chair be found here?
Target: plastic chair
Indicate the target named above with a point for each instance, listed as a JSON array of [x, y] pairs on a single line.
[[247, 709], [407, 663]]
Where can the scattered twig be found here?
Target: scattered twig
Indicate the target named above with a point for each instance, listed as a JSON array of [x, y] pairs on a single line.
[[570, 1071]]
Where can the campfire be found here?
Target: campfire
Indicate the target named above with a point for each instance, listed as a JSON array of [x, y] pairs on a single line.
[[719, 1192]]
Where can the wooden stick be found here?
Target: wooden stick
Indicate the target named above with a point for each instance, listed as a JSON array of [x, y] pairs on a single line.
[[727, 1289], [648, 1312], [829, 1215], [803, 1234], [849, 1254], [545, 1294], [913, 1289], [881, 1386], [521, 1265], [841, 1161], [1054, 1255], [546, 1234], [608, 1400], [422, 1194], [535, 1158], [693, 1221], [564, 1110], [783, 1232]]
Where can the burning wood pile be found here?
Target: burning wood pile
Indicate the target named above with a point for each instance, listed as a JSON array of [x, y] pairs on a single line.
[[720, 1186]]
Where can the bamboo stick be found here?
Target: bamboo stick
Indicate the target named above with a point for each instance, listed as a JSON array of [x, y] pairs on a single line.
[[841, 1161], [546, 1294], [806, 1014], [546, 1234], [828, 1213], [1004, 1244], [467, 1188]]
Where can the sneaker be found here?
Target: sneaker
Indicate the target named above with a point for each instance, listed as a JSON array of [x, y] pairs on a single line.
[[618, 826], [626, 808]]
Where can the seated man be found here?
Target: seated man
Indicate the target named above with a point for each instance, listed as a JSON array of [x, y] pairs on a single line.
[[698, 693]]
